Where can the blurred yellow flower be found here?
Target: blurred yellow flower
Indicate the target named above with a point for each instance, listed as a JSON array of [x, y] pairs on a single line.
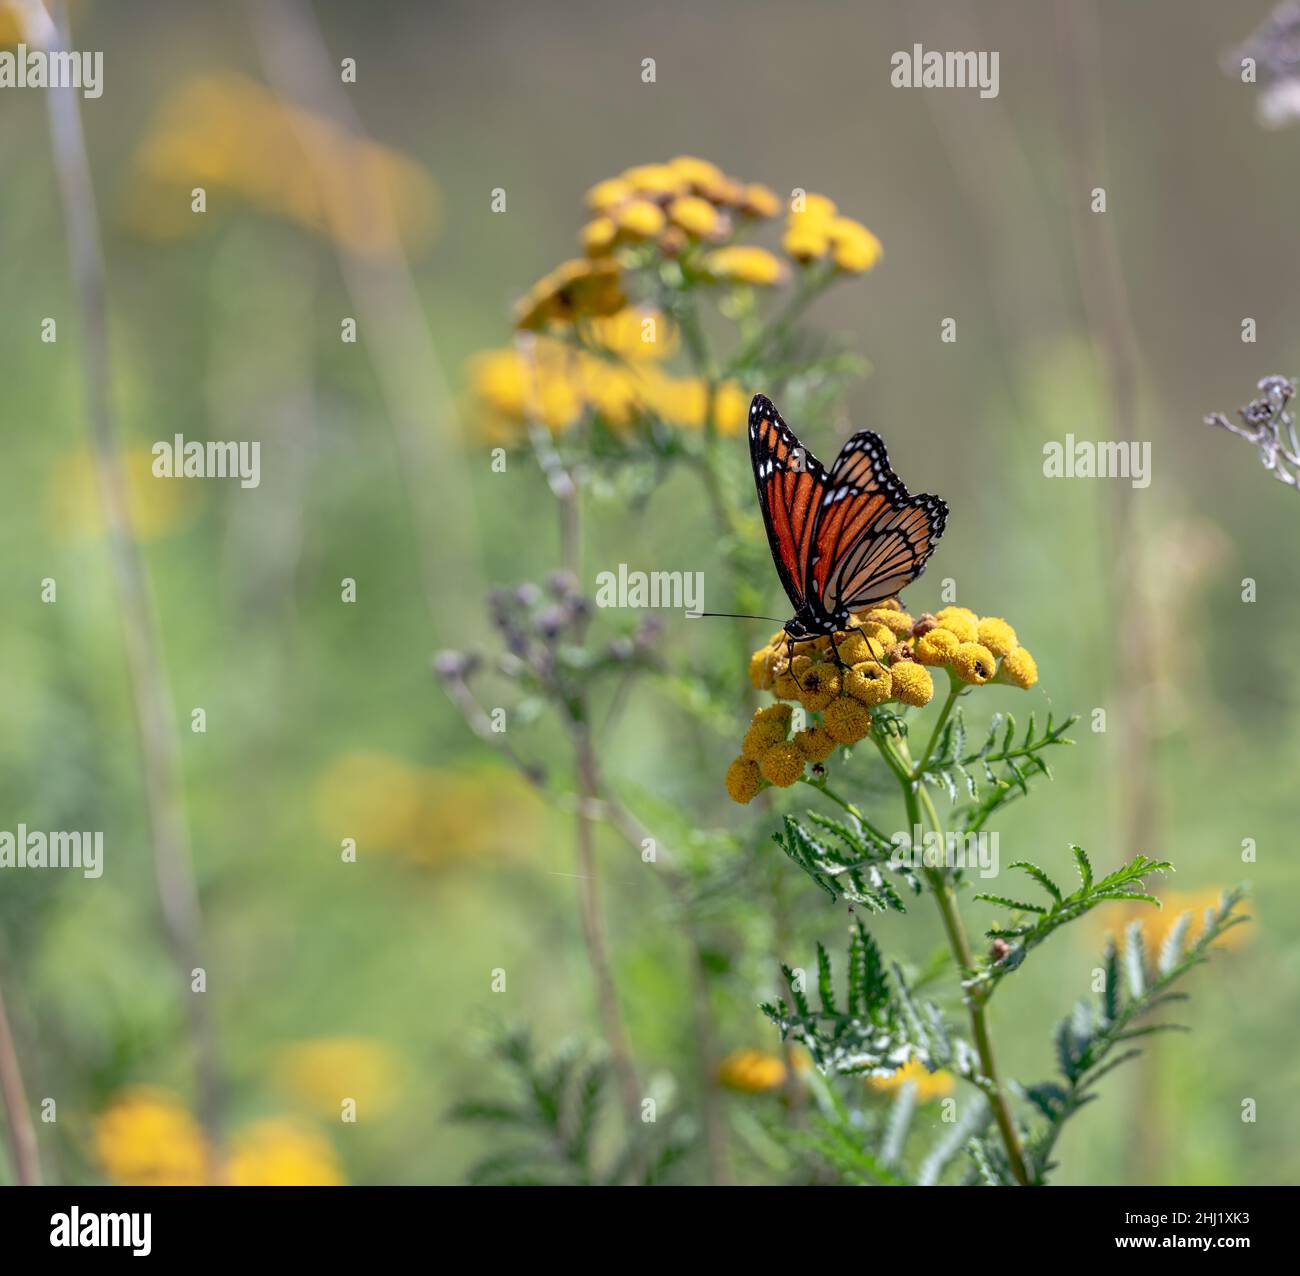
[[636, 333], [598, 236], [854, 248], [639, 218], [156, 506], [806, 243], [697, 216], [324, 1071], [233, 137], [427, 815], [657, 181], [743, 780], [1157, 923], [756, 200], [279, 1152], [147, 1138], [576, 289], [744, 263], [751, 1071], [929, 1085]]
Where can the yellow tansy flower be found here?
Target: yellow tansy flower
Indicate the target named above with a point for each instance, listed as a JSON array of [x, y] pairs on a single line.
[[893, 618], [697, 216], [656, 181], [782, 764], [815, 743], [869, 682], [639, 218], [761, 736], [997, 635], [282, 1153], [974, 663], [324, 1071], [912, 683], [597, 237], [854, 248], [847, 720], [819, 685], [744, 263], [757, 200], [751, 1071], [1019, 669], [960, 621], [743, 780], [608, 194], [575, 289], [936, 647], [147, 1138], [806, 243], [929, 1085]]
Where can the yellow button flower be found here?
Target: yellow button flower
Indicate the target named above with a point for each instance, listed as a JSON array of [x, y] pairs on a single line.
[[847, 720], [936, 647], [1019, 669], [760, 668], [869, 682], [806, 243], [751, 1071], [760, 737], [639, 218], [757, 200], [745, 264], [854, 248], [697, 216], [929, 1085], [960, 621], [973, 662], [815, 208], [782, 764], [819, 685], [597, 237], [997, 635], [912, 683], [743, 780], [575, 289], [656, 181], [815, 743], [893, 618], [701, 176], [147, 1138], [608, 194], [282, 1153]]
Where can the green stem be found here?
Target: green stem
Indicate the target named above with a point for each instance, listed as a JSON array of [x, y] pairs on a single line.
[[954, 691], [915, 796]]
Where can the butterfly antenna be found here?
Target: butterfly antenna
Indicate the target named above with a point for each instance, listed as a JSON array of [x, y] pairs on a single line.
[[733, 615]]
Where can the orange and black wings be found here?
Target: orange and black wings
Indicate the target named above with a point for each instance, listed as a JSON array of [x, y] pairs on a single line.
[[844, 540], [791, 483]]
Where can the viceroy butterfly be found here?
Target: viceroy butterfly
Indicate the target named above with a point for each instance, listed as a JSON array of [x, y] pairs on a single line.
[[841, 540]]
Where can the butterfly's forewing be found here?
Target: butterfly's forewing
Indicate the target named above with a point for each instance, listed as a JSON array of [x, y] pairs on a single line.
[[791, 483]]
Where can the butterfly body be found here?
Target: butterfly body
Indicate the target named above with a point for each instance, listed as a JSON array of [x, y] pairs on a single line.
[[841, 539]]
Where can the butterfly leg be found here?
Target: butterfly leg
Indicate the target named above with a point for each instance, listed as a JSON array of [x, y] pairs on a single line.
[[789, 656]]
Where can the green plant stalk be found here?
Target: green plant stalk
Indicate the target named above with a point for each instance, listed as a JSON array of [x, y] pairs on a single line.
[[915, 797]]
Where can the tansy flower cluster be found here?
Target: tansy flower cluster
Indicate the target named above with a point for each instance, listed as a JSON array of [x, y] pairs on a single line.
[[147, 1138], [586, 349], [815, 231], [239, 142], [885, 656], [614, 371]]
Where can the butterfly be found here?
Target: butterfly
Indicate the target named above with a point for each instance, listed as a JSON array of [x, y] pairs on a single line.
[[841, 540]]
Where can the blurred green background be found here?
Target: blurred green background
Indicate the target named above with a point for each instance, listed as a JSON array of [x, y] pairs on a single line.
[[323, 717]]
